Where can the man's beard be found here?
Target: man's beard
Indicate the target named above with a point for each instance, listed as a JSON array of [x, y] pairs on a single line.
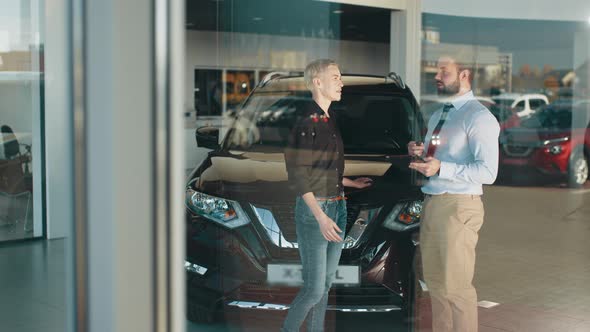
[[449, 90]]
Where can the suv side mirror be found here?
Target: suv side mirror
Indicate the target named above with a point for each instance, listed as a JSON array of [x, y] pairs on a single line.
[[207, 137]]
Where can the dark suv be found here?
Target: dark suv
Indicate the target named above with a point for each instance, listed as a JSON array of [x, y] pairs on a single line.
[[241, 241]]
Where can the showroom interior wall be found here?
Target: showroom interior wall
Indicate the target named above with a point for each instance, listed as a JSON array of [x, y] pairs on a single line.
[[406, 25], [234, 50]]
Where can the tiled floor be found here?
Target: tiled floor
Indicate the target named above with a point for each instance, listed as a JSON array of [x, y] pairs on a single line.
[[515, 318], [33, 287], [20, 208], [533, 259]]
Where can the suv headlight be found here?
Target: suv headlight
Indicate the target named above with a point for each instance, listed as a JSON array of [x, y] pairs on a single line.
[[222, 211], [404, 216]]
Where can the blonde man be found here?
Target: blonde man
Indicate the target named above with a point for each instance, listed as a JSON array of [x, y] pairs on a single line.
[[315, 164]]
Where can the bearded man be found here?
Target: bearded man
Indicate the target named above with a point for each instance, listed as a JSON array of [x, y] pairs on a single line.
[[459, 155]]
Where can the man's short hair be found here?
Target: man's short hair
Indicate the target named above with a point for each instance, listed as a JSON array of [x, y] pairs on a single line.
[[463, 63], [463, 66], [314, 68]]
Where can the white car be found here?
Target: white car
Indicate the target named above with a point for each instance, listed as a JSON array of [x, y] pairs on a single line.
[[525, 104]]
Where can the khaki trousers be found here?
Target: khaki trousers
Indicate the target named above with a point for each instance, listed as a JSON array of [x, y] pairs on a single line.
[[448, 236]]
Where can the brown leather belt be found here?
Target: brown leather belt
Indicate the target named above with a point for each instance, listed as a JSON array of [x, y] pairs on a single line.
[[331, 199]]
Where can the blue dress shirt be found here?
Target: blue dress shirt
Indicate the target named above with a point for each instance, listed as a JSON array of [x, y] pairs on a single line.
[[468, 150]]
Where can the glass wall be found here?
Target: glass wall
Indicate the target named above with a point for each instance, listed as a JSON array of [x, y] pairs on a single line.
[[242, 265], [533, 76], [247, 110], [34, 268], [21, 89], [535, 84], [246, 60]]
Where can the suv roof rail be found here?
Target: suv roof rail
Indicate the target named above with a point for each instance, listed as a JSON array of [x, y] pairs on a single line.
[[281, 74], [273, 75], [397, 79]]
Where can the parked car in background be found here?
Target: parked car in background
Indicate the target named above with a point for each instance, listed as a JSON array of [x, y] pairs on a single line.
[[241, 239], [506, 115], [554, 142], [525, 104]]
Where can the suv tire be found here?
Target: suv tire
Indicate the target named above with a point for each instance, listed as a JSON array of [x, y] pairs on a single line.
[[577, 169]]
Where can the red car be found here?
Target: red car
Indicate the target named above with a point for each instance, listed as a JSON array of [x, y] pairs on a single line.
[[506, 116], [554, 142]]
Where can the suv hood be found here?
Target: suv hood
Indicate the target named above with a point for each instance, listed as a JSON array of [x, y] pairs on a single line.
[[262, 177]]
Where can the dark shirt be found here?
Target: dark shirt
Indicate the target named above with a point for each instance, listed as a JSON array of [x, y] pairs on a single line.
[[315, 153]]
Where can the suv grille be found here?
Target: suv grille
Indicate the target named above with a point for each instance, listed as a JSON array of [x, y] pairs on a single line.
[[285, 218], [517, 150]]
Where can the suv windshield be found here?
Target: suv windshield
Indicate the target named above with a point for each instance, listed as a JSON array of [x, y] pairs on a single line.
[[370, 122], [550, 118]]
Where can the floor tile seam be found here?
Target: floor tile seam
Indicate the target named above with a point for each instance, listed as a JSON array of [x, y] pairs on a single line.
[[494, 327], [562, 317]]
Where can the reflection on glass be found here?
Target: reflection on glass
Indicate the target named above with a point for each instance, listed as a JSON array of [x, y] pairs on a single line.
[[238, 85], [21, 65], [15, 182], [550, 143], [536, 74], [529, 87], [208, 92], [272, 228]]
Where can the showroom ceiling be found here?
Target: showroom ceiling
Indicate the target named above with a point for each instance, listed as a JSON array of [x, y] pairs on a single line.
[[303, 18]]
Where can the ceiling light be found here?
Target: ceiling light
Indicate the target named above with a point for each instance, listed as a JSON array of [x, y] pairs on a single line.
[[338, 11], [257, 19]]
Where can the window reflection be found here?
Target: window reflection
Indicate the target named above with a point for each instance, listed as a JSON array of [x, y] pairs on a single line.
[[533, 77], [21, 67], [533, 85]]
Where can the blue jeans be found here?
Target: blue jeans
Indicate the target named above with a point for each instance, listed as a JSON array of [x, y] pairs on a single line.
[[319, 261]]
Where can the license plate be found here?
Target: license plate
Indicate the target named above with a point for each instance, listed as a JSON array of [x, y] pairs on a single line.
[[519, 162], [290, 274]]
